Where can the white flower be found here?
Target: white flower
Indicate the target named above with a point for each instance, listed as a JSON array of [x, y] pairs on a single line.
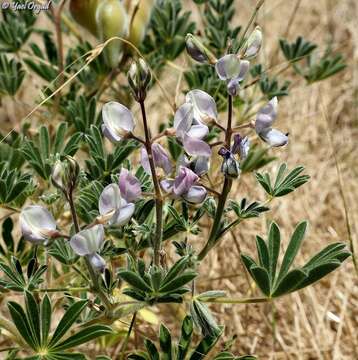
[[37, 224], [118, 121], [263, 126]]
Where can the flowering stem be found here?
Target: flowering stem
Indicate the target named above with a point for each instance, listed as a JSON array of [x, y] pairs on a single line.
[[213, 236], [93, 275], [158, 195]]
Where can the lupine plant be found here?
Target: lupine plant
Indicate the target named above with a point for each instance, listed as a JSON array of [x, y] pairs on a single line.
[[100, 196]]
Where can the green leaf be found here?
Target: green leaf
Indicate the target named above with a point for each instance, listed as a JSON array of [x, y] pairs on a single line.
[[178, 282], [165, 341], [83, 336], [68, 319], [290, 282], [134, 280], [152, 350], [185, 338], [292, 249], [263, 253], [274, 241], [175, 270], [206, 345], [33, 317], [262, 279], [20, 320], [46, 313]]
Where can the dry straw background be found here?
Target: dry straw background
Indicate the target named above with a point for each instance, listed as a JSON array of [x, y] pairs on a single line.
[[320, 322]]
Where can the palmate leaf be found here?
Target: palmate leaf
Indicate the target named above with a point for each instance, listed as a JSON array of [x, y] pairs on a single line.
[[41, 152], [11, 75], [297, 50], [156, 284], [184, 349], [282, 185], [34, 324], [265, 274]]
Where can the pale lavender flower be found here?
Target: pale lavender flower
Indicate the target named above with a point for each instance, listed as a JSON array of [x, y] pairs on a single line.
[[118, 121], [184, 186], [129, 186], [263, 126], [88, 243], [37, 224], [111, 205], [231, 69], [160, 157], [188, 122], [199, 164]]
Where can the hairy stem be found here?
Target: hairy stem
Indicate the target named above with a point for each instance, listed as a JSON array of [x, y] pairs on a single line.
[[157, 243], [224, 193], [126, 340]]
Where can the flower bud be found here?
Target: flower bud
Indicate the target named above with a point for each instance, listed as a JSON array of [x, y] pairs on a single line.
[[111, 21], [230, 166], [65, 174], [241, 146], [140, 21], [198, 51], [253, 44], [139, 77], [129, 186], [37, 224]]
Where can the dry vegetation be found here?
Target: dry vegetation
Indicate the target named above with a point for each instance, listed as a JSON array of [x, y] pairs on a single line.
[[320, 322]]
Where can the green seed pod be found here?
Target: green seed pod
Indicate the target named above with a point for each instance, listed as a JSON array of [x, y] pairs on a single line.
[[111, 21], [140, 21], [84, 12]]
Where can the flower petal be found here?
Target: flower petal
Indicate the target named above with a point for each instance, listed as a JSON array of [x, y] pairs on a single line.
[[37, 223], [129, 185], [196, 194], [184, 181], [196, 147], [204, 105], [241, 146], [123, 215], [253, 43], [117, 120], [183, 120], [167, 185], [198, 131], [228, 67], [97, 262], [274, 137], [266, 115], [161, 158], [88, 241], [110, 199]]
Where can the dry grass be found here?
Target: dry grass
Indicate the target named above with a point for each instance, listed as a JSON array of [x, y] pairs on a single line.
[[320, 322]]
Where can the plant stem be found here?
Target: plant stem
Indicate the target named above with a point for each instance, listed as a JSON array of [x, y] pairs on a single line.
[[254, 300], [93, 275], [126, 340], [224, 193], [157, 243], [257, 8]]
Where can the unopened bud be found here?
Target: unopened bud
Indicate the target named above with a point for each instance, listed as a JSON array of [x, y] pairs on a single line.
[[139, 77], [65, 174], [253, 44], [198, 51], [230, 166]]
